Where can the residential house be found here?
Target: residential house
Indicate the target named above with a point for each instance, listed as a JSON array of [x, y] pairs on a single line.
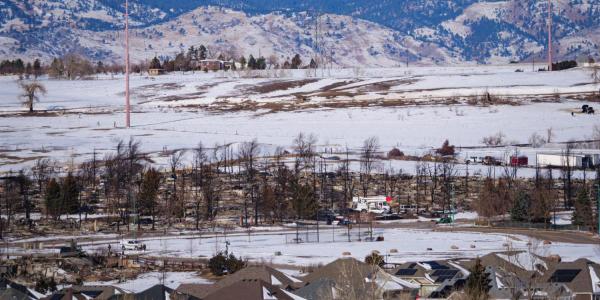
[[348, 278], [12, 290], [103, 292], [265, 274]]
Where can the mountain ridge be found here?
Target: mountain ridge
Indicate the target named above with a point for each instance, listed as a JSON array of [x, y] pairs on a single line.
[[422, 31]]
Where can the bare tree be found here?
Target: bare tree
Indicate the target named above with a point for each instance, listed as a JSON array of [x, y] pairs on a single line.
[[175, 161], [567, 175], [31, 93], [198, 168], [368, 162], [42, 171], [248, 153]]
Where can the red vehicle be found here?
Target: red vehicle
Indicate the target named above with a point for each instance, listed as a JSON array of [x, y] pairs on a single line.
[[519, 161]]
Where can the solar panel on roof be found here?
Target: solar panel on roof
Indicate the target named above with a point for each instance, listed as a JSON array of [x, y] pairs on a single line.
[[443, 278], [412, 265], [564, 275], [435, 265], [444, 273], [406, 272]]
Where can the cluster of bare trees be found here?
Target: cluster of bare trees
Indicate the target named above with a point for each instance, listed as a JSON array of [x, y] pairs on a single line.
[[244, 180]]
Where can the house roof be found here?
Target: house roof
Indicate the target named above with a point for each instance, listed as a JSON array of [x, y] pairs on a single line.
[[156, 292], [264, 273], [12, 290], [357, 279], [250, 289], [100, 292], [320, 289], [580, 276]]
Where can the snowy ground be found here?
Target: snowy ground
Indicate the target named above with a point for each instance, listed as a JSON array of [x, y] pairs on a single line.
[[414, 109], [411, 245]]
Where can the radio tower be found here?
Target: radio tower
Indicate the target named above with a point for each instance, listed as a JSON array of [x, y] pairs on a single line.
[[549, 35], [127, 107]]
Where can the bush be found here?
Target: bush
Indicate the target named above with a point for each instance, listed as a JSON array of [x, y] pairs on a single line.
[[222, 264], [446, 149], [395, 153], [564, 65], [375, 259], [494, 140]]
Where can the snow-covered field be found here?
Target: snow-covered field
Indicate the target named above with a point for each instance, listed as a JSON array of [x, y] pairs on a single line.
[[414, 109], [409, 245]]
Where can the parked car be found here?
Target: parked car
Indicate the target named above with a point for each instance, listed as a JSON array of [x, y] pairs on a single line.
[[132, 245]]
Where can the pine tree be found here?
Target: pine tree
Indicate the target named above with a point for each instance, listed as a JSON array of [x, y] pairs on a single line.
[[261, 63], [53, 199], [313, 64], [478, 282], [251, 62], [202, 52], [155, 63], [243, 62], [582, 216], [70, 195], [37, 68], [149, 193], [296, 61], [28, 69], [520, 211]]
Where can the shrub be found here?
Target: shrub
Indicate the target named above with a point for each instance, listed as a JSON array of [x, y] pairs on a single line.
[[375, 259], [446, 149], [395, 153], [222, 264], [494, 140]]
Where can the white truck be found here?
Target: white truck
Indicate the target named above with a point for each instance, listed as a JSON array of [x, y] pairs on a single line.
[[377, 204], [132, 245]]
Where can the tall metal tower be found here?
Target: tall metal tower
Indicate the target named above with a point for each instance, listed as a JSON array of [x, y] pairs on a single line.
[[549, 35], [127, 105]]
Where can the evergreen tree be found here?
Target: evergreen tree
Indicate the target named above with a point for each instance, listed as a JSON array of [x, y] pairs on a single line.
[[57, 68], [313, 64], [19, 66], [251, 62], [296, 62], [70, 195], [202, 52], [28, 69], [582, 216], [243, 62], [478, 282], [303, 200], [155, 63], [100, 68], [149, 193], [520, 210], [53, 199], [37, 68], [261, 63]]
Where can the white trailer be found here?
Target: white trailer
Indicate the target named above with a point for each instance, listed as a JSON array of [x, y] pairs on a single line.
[[575, 160], [377, 204]]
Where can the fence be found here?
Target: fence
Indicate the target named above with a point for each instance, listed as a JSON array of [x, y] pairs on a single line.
[[527, 225], [333, 234]]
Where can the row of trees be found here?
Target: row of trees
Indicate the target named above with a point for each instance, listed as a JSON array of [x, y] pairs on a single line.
[[19, 67]]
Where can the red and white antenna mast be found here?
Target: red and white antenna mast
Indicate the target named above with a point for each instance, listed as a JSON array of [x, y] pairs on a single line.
[[549, 35], [127, 106]]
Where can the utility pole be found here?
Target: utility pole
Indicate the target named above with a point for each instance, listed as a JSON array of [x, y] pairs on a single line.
[[127, 105], [549, 35]]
